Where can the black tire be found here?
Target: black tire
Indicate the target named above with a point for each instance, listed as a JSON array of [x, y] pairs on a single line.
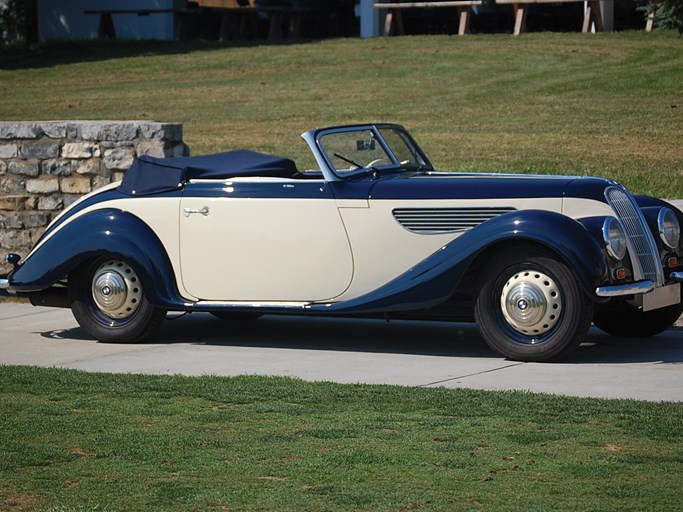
[[107, 301], [619, 318], [530, 306], [229, 316]]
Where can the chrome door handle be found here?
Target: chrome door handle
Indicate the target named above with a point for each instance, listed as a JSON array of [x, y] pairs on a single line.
[[204, 211]]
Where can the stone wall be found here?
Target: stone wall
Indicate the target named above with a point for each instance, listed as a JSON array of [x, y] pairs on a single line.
[[46, 166]]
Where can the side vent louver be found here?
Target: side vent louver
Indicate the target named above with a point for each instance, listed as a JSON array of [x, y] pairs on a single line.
[[431, 221]]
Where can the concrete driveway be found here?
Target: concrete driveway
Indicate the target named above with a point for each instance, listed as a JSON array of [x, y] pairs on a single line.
[[348, 351]]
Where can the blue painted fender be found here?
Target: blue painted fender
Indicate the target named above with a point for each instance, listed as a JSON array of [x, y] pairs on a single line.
[[650, 207], [434, 280], [107, 231]]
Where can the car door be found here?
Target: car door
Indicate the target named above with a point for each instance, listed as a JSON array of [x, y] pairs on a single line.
[[263, 239]]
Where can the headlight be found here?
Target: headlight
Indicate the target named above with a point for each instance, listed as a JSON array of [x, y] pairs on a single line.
[[669, 228], [614, 237]]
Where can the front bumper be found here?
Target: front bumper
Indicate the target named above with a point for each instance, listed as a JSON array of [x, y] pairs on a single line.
[[634, 288]]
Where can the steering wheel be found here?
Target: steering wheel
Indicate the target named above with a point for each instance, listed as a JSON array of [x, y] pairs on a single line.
[[375, 162]]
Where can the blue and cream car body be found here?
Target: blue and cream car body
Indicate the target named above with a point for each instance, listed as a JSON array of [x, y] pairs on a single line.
[[374, 231]]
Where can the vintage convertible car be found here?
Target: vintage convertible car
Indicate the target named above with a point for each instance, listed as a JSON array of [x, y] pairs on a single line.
[[374, 232]]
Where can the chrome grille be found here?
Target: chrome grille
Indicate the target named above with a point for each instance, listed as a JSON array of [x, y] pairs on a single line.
[[641, 245], [432, 221]]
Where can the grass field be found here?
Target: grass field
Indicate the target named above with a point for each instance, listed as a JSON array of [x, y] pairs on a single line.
[[606, 104], [73, 441]]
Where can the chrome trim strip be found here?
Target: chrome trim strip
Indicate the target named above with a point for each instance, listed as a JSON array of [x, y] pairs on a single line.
[[676, 276], [625, 289], [4, 284], [245, 304]]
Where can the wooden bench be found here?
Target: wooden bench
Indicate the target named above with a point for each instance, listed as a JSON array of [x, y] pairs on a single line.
[[393, 21], [521, 9], [239, 23]]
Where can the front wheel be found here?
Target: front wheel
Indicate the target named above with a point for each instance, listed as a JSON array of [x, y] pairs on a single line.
[[530, 306], [108, 302]]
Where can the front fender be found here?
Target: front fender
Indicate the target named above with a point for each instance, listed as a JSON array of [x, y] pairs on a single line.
[[434, 280], [650, 206], [106, 231]]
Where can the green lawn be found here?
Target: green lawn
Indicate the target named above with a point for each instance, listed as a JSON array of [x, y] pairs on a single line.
[[605, 104], [73, 441]]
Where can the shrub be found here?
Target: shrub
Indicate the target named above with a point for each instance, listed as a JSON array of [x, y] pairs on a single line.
[[18, 23], [668, 13]]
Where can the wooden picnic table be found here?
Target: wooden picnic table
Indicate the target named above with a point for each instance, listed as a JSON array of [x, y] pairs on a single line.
[[393, 21], [521, 9], [237, 23]]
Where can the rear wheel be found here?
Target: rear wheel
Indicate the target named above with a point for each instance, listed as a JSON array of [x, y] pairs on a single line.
[[108, 302], [530, 306]]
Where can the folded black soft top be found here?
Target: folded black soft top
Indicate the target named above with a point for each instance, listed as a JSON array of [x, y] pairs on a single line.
[[150, 175]]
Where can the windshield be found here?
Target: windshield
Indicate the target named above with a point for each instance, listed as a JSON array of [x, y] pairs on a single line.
[[374, 149]]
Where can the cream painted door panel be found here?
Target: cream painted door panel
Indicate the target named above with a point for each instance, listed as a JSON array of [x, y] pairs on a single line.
[[263, 240]]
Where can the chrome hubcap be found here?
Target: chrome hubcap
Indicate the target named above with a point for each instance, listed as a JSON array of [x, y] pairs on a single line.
[[531, 302], [116, 289]]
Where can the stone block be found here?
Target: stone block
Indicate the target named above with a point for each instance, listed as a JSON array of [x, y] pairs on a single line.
[[52, 202], [15, 238], [100, 181], [117, 176], [90, 130], [120, 131], [56, 167], [55, 129], [110, 144], [90, 166], [10, 203], [156, 148], [42, 186], [39, 149], [70, 199], [17, 203], [80, 150], [172, 132], [75, 185], [12, 185], [162, 149], [23, 167], [36, 220], [12, 221], [108, 130], [119, 158], [3, 167], [181, 149], [8, 150], [19, 130]]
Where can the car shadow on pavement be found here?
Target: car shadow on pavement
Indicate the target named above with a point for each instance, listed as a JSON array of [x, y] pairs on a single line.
[[443, 339]]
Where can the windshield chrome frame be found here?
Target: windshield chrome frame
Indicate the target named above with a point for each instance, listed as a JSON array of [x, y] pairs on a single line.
[[313, 139]]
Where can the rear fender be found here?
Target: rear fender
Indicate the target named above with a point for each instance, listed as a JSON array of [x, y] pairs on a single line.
[[107, 231]]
